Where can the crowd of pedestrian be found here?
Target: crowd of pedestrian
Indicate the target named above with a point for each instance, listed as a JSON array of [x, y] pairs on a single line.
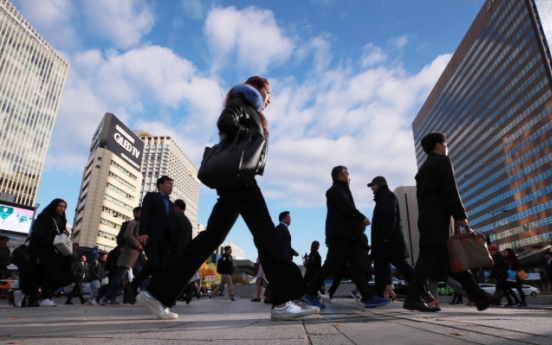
[[156, 260]]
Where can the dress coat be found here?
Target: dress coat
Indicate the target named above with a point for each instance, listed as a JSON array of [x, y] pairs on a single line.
[[438, 200], [154, 220], [343, 219], [387, 225], [284, 241], [182, 234], [130, 252]]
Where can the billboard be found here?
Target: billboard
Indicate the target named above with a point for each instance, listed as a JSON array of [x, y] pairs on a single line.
[[15, 218], [113, 135]]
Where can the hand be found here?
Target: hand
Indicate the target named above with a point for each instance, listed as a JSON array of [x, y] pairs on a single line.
[[462, 223], [295, 254], [143, 239], [140, 248], [366, 221]]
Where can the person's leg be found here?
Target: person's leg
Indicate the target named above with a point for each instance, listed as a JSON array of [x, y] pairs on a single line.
[[167, 285], [337, 278], [230, 285], [422, 270], [354, 259], [94, 287], [334, 259], [115, 282], [404, 267], [521, 295], [285, 277], [382, 276]]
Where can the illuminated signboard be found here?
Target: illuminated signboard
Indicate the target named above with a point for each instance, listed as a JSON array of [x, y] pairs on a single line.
[[15, 218], [113, 135]]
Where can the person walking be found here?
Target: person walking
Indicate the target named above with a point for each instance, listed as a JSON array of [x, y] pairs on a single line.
[[54, 268], [126, 259], [511, 256], [156, 234], [314, 262], [499, 272], [344, 229], [438, 201], [388, 241], [97, 273], [80, 271], [225, 267], [241, 118]]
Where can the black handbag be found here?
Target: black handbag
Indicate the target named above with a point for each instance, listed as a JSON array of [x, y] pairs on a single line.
[[230, 165], [21, 256]]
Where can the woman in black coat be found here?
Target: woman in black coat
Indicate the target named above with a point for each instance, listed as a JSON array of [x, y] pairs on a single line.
[[314, 262], [241, 120], [54, 269]]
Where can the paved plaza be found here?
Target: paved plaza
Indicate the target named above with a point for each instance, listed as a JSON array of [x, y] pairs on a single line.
[[243, 322]]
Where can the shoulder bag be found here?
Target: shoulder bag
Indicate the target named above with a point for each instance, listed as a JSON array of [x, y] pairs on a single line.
[[63, 242], [21, 256], [468, 251], [236, 164]]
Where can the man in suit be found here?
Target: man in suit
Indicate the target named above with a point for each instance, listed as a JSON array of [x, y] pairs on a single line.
[[80, 269], [155, 231], [284, 237], [438, 201]]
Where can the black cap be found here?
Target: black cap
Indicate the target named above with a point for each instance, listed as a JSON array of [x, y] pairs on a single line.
[[379, 180]]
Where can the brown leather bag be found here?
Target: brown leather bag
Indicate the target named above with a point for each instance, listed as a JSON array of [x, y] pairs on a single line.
[[468, 250]]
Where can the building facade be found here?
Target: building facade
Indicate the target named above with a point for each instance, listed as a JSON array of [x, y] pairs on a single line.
[[32, 76], [162, 156], [408, 206], [110, 186], [494, 102]]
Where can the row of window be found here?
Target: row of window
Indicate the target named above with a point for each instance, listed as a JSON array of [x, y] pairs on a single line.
[[119, 191], [121, 181], [114, 213], [123, 170], [117, 202], [110, 224]]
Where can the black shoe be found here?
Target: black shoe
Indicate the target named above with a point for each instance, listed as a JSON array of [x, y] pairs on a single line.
[[131, 296], [83, 301], [68, 302], [421, 306], [510, 305], [267, 301], [188, 298], [487, 302], [523, 304], [256, 300]]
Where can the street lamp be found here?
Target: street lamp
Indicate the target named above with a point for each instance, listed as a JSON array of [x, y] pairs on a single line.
[[495, 227]]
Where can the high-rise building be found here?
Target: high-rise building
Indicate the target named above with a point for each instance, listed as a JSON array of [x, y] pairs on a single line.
[[110, 186], [32, 75], [162, 156], [408, 206], [494, 102]]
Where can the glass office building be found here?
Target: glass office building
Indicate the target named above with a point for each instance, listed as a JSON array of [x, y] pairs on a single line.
[[32, 75], [494, 102]]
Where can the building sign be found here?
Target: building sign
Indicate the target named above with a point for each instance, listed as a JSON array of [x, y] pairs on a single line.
[[113, 135], [16, 218]]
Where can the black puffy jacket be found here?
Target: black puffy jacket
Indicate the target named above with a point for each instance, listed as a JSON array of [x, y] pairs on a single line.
[[343, 219]]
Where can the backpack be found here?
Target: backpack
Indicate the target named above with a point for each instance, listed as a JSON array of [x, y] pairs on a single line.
[[121, 235]]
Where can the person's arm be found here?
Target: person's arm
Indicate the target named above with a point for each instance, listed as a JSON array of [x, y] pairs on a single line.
[[389, 216], [337, 198], [229, 121], [130, 236], [449, 191], [147, 209]]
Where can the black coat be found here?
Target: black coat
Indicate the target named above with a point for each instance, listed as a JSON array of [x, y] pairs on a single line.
[[387, 225], [182, 234], [312, 265], [343, 219], [500, 268], [239, 116], [284, 241], [154, 220], [438, 200]]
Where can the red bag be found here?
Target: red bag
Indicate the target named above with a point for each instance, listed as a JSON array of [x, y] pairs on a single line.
[[468, 251]]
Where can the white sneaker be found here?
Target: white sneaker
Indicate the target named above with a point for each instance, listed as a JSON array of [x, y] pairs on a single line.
[[153, 305], [17, 298], [47, 303], [292, 311], [91, 302]]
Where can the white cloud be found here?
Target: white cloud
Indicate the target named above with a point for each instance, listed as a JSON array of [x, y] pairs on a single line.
[[193, 8], [251, 34], [372, 55], [51, 19], [123, 22], [399, 42]]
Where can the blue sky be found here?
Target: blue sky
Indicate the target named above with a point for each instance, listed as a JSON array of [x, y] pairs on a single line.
[[348, 77]]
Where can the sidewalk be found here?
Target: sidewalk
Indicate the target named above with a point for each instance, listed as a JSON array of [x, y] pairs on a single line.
[[243, 322]]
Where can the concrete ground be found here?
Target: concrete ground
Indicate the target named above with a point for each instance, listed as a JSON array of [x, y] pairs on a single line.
[[243, 322]]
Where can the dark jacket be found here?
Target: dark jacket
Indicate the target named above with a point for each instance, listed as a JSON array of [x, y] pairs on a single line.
[[80, 270], [500, 268], [225, 264], [343, 219], [438, 200], [387, 225], [284, 241], [154, 220], [182, 234], [312, 265], [97, 272], [240, 117]]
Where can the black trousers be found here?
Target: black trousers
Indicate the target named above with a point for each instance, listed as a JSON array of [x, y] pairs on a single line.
[[428, 257], [383, 273], [340, 251], [284, 276], [157, 254], [77, 290]]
